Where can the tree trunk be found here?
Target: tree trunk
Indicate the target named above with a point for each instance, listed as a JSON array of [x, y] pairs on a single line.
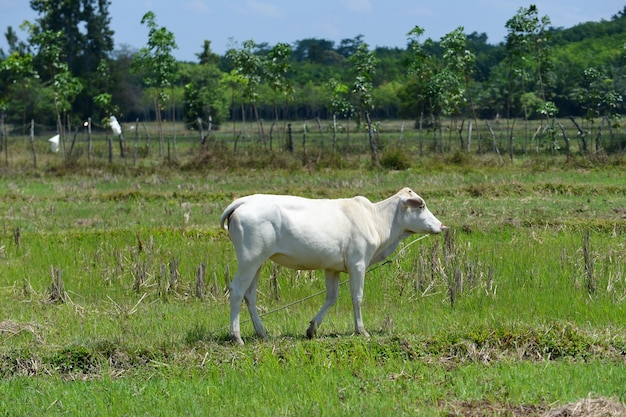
[[566, 139], [32, 142], [373, 148], [495, 144], [460, 130], [599, 136], [581, 134], [160, 127]]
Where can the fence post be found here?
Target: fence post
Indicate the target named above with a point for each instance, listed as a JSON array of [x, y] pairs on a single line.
[[89, 143], [32, 142]]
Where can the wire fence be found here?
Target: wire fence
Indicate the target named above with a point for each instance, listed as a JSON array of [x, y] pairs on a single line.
[[307, 142]]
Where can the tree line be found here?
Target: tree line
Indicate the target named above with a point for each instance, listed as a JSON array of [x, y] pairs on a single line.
[[67, 70]]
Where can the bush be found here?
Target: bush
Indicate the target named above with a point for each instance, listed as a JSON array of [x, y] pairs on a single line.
[[395, 158]]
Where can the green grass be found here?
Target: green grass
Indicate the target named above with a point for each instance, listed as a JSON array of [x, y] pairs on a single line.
[[503, 313]]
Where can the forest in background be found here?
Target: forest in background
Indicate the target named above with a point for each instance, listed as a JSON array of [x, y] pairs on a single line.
[[68, 70]]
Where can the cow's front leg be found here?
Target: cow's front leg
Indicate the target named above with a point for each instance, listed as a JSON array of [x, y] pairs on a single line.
[[332, 293], [357, 280]]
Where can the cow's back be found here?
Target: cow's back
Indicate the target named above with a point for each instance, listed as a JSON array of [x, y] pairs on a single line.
[[298, 232]]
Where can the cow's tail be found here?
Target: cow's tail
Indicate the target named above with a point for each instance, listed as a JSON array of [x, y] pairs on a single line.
[[229, 212]]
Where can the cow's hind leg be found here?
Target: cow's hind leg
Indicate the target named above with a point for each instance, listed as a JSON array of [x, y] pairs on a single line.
[[332, 293], [245, 278], [250, 298]]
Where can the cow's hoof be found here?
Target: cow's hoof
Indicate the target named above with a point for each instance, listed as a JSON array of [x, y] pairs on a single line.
[[312, 330], [362, 332], [237, 340]]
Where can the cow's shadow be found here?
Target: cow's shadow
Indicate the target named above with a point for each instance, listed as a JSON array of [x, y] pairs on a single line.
[[199, 333]]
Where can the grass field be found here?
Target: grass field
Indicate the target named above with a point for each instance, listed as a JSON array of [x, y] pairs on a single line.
[[113, 294]]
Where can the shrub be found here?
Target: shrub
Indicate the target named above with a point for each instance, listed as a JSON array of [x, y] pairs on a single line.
[[395, 158]]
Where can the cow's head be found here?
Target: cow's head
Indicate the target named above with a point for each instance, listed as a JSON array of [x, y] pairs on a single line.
[[415, 216]]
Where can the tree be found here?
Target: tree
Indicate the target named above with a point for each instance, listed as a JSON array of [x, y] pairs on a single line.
[[158, 66], [348, 47], [15, 45], [16, 71], [249, 67], [319, 51], [13, 69], [87, 40], [63, 84], [364, 66], [599, 98], [339, 104], [528, 58], [204, 94], [276, 68], [85, 25]]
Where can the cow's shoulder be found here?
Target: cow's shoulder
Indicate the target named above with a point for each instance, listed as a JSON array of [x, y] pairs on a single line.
[[359, 200]]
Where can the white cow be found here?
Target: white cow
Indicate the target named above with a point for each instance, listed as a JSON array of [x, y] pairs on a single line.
[[343, 235]]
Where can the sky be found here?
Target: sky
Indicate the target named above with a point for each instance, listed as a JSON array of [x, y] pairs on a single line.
[[228, 23]]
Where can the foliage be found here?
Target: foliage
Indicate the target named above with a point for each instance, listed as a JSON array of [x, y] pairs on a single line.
[[158, 66], [204, 93], [15, 71], [155, 61], [537, 70], [87, 40]]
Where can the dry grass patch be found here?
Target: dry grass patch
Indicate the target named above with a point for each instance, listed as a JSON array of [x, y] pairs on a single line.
[[589, 407]]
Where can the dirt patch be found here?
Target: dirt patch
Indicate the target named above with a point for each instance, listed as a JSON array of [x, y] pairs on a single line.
[[589, 407], [486, 408]]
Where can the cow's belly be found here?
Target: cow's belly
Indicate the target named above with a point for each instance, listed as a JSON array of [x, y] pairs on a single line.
[[310, 261]]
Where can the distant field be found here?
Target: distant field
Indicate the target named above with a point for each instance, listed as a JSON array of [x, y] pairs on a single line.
[[316, 144], [518, 309]]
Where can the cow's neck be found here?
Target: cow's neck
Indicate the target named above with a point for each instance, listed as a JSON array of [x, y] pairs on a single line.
[[387, 228]]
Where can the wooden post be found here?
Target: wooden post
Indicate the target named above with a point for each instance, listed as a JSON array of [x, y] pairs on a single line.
[[89, 142], [421, 139], [319, 126], [32, 142], [289, 138], [201, 127], [136, 144], [304, 143], [4, 141], [69, 154], [121, 142], [334, 132]]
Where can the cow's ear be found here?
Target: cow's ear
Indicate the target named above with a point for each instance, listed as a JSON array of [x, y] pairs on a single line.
[[415, 202]]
